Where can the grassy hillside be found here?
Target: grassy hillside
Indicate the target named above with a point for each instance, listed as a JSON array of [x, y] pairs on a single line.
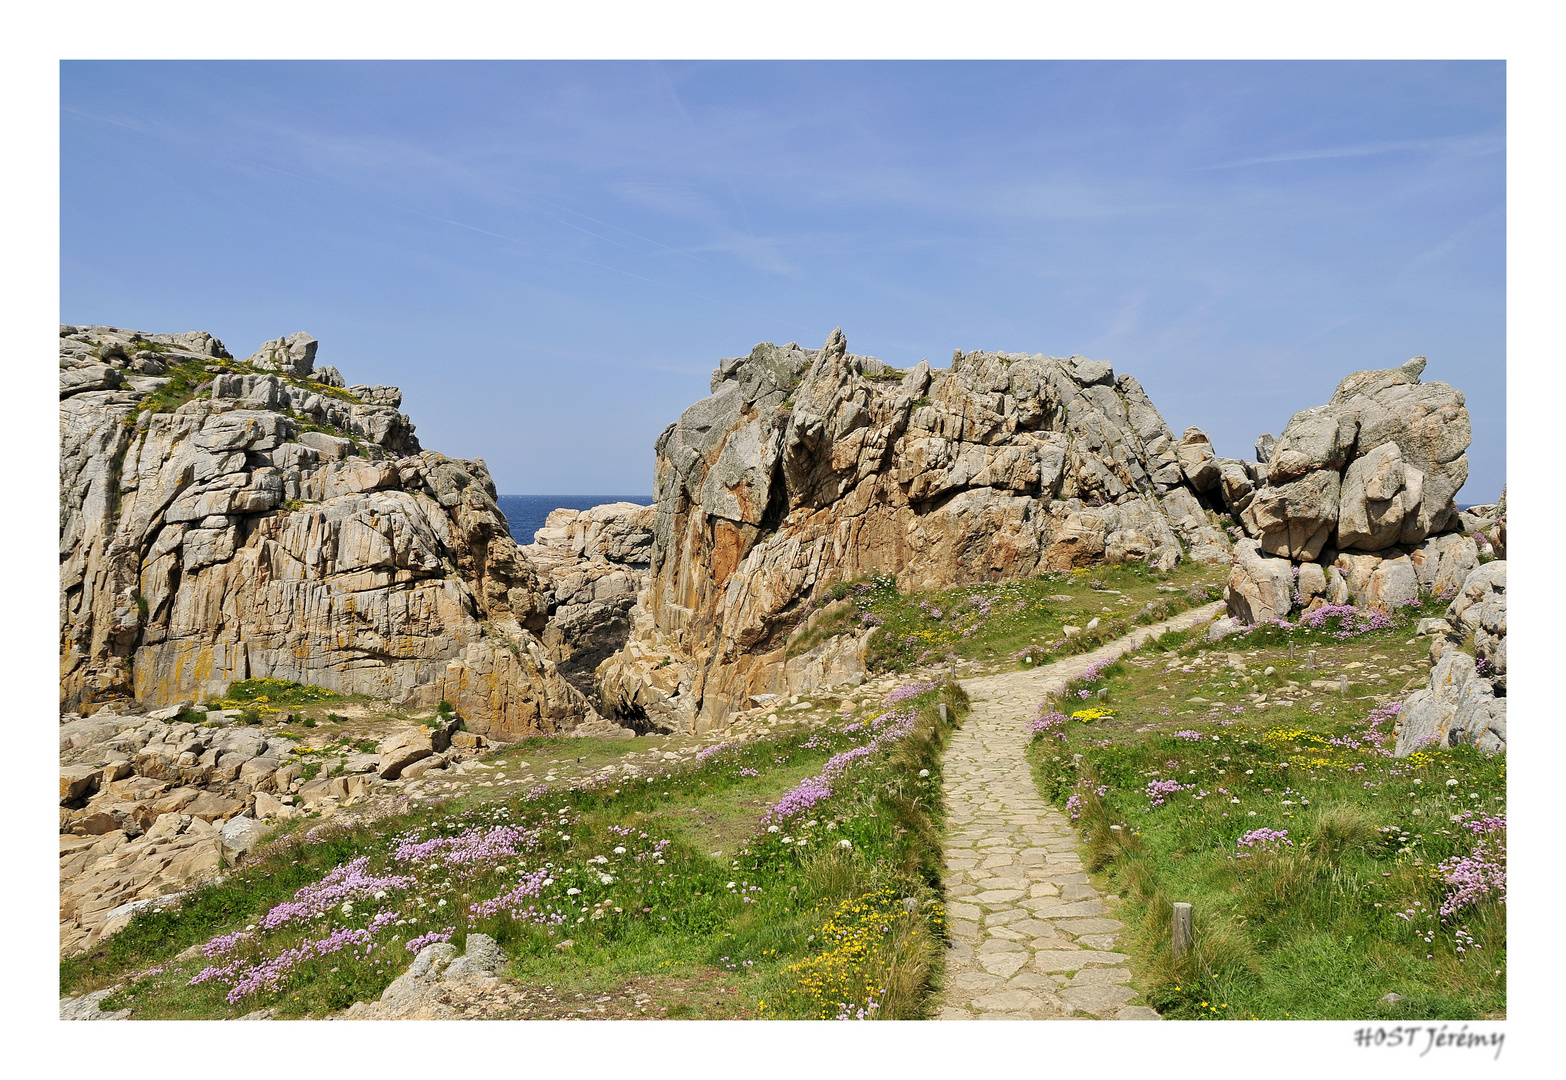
[[997, 627]]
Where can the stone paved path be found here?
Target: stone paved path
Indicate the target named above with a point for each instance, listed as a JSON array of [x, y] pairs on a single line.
[[1032, 938]]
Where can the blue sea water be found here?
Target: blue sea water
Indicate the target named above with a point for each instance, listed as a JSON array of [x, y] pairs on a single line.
[[526, 513]]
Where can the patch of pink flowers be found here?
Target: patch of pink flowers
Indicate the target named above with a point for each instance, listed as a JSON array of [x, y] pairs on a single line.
[[1263, 840], [903, 693], [1481, 874], [1052, 724], [431, 938], [248, 979], [528, 888], [346, 882], [889, 727], [471, 847], [1159, 790]]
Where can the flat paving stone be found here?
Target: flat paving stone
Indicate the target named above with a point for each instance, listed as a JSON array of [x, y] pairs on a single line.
[[1100, 976], [1137, 1012], [1098, 941], [1002, 945], [1016, 889], [1048, 960], [999, 896], [1047, 943], [1009, 1001], [1106, 998], [1089, 926], [1006, 917], [1003, 964]]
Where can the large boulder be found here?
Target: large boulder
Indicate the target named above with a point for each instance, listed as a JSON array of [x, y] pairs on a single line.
[[620, 532], [1197, 459], [1465, 701], [1444, 562], [1260, 587], [1480, 609], [398, 751], [437, 974], [1204, 541], [592, 564], [294, 355], [1295, 519], [1237, 484], [1458, 707]]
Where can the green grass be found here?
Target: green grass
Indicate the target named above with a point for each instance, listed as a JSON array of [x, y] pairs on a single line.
[[189, 379], [700, 896], [184, 379], [275, 692], [1310, 928], [1005, 626]]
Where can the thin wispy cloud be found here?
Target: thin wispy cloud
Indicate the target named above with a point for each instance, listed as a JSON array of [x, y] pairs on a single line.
[[1468, 145], [1493, 219]]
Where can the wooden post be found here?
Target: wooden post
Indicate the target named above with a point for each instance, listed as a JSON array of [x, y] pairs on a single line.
[[1182, 930], [1310, 660], [1343, 685], [942, 707], [1103, 694]]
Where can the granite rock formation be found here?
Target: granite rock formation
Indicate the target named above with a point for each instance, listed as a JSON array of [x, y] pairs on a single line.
[[807, 467], [591, 564], [223, 520], [1355, 502], [1379, 465]]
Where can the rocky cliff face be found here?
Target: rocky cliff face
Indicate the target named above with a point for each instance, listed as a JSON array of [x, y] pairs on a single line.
[[224, 520], [807, 467]]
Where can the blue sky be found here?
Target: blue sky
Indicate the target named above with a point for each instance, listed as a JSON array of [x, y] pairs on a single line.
[[551, 257]]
